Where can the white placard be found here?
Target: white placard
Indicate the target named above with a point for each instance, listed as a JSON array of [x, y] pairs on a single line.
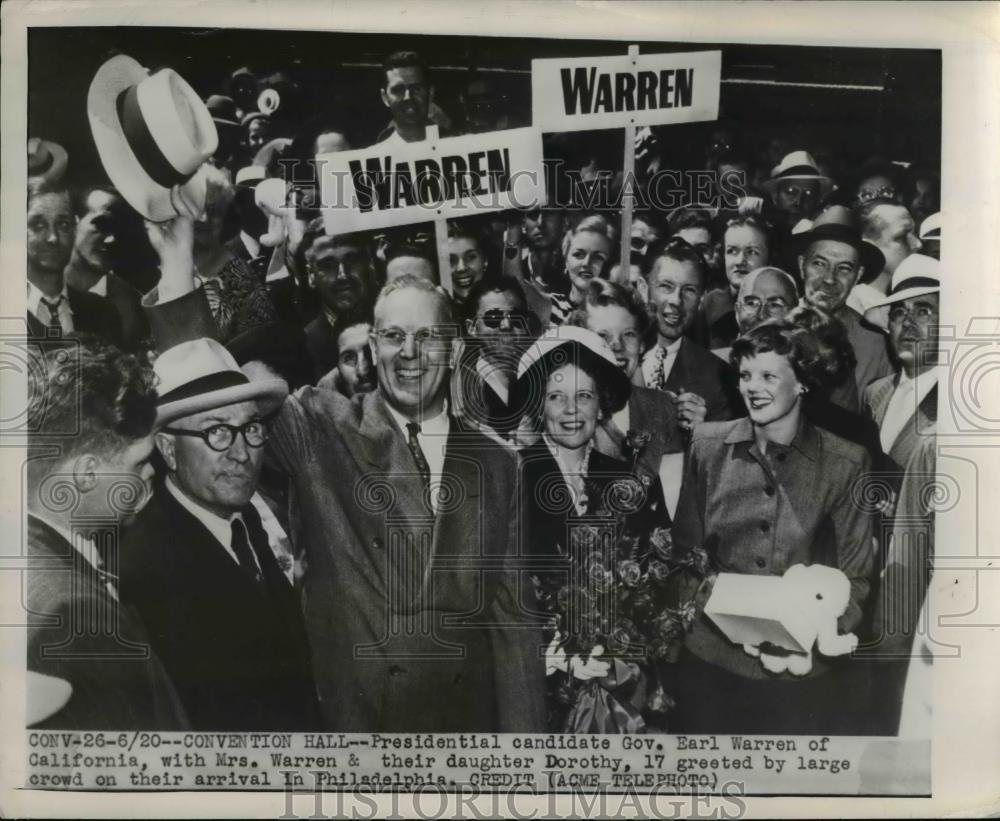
[[397, 183], [581, 93]]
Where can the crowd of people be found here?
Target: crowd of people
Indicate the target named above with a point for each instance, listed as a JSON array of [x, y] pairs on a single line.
[[334, 481]]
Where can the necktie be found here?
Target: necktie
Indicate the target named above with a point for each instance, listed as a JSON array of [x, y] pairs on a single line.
[[54, 324], [413, 428], [244, 553], [659, 372]]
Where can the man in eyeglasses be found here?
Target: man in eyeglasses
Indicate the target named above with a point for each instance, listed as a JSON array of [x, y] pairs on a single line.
[[409, 527], [99, 214], [221, 612]]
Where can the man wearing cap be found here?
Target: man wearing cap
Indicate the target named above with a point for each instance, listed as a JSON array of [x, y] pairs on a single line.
[[197, 563], [99, 217], [832, 257], [55, 309], [91, 410], [409, 524]]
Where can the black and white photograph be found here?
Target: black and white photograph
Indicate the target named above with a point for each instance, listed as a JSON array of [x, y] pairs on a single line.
[[405, 407]]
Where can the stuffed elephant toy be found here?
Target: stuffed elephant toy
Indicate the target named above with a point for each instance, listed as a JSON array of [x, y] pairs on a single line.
[[819, 594]]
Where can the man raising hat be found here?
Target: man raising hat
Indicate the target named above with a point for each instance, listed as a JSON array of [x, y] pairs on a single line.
[[222, 614]]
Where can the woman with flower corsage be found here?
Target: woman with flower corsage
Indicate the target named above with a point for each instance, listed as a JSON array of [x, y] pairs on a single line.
[[589, 521]]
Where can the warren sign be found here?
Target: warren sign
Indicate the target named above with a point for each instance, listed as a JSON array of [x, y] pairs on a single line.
[[397, 183], [580, 93]]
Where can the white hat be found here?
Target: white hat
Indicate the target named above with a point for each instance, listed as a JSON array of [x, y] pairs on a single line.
[[916, 275], [930, 228], [153, 133], [46, 160], [201, 374], [557, 349], [798, 165]]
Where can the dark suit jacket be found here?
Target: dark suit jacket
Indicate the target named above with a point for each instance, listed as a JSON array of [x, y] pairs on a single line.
[[480, 405], [321, 340], [546, 509], [118, 683], [381, 563], [650, 411], [699, 371], [127, 301], [236, 650], [92, 314]]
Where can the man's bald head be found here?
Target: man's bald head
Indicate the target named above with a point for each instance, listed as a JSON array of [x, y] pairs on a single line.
[[766, 293]]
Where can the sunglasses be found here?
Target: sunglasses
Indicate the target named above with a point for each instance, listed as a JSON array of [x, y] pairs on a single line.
[[495, 318]]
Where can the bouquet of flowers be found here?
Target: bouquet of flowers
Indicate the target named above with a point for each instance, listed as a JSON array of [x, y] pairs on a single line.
[[633, 596]]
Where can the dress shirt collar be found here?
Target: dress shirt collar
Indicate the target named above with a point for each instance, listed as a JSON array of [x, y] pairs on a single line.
[[438, 425], [35, 296], [221, 529], [250, 243], [100, 287], [806, 439], [922, 383]]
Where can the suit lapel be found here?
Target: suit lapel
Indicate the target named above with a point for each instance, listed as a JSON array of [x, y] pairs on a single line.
[[880, 398]]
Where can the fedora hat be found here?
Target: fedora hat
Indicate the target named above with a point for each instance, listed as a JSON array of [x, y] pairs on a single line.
[[916, 275], [223, 110], [46, 160], [568, 345], [837, 223], [152, 133], [201, 374], [798, 165]]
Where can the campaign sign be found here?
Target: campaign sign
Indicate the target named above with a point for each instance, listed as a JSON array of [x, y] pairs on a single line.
[[582, 93], [398, 183]]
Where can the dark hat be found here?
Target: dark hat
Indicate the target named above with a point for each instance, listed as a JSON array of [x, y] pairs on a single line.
[[837, 223], [223, 110], [250, 116]]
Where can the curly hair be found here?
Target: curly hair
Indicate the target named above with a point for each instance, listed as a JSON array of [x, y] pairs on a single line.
[[797, 344], [601, 293], [837, 358], [88, 397]]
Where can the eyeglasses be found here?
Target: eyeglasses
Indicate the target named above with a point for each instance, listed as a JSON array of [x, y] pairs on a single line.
[[495, 318], [754, 303], [221, 437], [921, 314], [628, 338], [798, 190], [396, 337], [886, 192]]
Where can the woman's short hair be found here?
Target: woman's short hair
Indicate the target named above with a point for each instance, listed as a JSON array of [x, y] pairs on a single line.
[[799, 345], [601, 293], [749, 221], [837, 357]]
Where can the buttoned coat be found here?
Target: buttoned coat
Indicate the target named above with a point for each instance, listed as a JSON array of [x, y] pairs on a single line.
[[762, 513], [412, 614], [236, 649], [118, 682]]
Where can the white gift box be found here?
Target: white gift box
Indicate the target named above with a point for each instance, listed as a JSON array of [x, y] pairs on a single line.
[[756, 609]]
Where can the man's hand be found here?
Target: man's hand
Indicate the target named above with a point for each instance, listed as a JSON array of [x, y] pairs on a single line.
[[173, 242], [691, 408]]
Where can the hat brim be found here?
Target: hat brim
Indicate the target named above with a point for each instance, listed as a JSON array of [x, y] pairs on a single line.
[[531, 380], [871, 258], [155, 202], [825, 183], [268, 393], [56, 169], [878, 314]]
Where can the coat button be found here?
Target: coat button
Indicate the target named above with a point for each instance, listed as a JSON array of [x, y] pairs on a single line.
[[769, 491], [760, 562], [376, 544], [765, 527], [396, 670]]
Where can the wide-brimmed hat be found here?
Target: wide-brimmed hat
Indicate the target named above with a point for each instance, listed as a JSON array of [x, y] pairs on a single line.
[[46, 160], [223, 110], [837, 223], [916, 275], [567, 345], [798, 165], [153, 133], [201, 374], [930, 228]]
